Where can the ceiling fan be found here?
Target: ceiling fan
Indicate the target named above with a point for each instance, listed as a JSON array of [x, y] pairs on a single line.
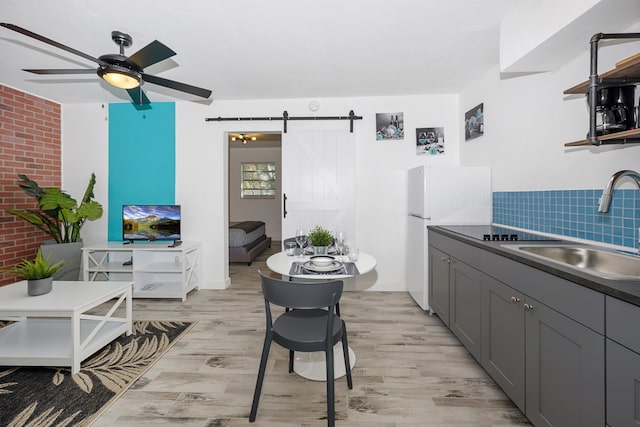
[[124, 72]]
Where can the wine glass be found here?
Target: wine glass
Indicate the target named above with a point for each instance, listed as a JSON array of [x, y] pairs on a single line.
[[301, 239], [341, 240]]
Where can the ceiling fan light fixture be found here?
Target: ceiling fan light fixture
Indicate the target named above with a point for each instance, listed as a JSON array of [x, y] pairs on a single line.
[[120, 77]]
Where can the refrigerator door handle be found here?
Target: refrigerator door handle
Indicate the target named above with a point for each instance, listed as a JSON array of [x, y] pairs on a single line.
[[418, 216]]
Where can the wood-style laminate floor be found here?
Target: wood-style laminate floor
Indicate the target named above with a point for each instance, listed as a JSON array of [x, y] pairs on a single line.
[[410, 370]]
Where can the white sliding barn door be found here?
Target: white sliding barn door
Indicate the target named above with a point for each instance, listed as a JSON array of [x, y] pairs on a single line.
[[318, 180]]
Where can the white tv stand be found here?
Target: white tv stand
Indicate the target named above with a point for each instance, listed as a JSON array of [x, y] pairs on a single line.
[[158, 270]]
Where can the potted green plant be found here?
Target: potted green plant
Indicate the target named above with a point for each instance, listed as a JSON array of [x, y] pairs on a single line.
[[320, 238], [38, 273], [61, 217]]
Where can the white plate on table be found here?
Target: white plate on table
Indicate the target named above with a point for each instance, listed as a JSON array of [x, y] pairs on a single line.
[[310, 266]]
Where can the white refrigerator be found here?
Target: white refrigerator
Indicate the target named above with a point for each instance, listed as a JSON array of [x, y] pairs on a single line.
[[441, 195]]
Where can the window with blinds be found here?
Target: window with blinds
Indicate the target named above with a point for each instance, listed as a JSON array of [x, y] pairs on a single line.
[[258, 180]]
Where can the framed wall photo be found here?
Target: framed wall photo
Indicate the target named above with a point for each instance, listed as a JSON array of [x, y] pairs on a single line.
[[430, 141], [389, 126], [474, 122]]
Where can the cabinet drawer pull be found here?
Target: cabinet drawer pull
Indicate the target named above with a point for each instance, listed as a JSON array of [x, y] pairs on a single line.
[[515, 300], [528, 307]]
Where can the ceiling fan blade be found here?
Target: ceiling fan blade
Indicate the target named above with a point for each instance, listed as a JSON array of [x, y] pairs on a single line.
[[51, 42], [61, 71], [150, 54], [172, 84], [138, 96]]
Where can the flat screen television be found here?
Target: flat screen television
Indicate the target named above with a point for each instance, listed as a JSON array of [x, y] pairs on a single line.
[[150, 222]]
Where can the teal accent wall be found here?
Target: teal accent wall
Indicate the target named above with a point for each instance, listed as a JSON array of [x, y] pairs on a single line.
[[142, 158]]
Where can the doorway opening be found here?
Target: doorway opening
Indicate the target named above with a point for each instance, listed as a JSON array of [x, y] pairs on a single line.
[[254, 193]]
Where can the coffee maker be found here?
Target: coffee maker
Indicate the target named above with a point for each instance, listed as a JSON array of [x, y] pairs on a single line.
[[615, 109]]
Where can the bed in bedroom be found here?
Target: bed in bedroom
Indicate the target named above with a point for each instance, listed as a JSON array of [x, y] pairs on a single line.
[[247, 240]]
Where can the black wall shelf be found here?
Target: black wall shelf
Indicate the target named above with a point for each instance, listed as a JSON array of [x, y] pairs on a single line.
[[626, 72]]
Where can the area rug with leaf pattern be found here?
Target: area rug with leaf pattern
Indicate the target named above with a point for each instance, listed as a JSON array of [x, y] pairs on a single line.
[[42, 396]]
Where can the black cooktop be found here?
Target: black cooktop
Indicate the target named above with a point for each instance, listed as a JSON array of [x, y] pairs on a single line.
[[494, 233]]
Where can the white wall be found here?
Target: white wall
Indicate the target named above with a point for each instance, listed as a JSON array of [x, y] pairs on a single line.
[[202, 170], [527, 122], [85, 149], [267, 210], [529, 119]]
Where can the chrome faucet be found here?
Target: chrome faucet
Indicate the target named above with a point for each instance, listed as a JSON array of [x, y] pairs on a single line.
[[607, 193]]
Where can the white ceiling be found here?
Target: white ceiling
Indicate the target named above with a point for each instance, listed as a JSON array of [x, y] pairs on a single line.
[[261, 49], [254, 49]]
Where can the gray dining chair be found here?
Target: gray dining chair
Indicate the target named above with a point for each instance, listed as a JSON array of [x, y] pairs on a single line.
[[310, 325]]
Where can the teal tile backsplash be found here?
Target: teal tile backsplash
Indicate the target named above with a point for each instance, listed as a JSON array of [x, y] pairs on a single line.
[[572, 213]]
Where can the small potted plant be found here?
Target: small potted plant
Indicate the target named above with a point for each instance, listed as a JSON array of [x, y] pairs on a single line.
[[320, 239], [38, 273]]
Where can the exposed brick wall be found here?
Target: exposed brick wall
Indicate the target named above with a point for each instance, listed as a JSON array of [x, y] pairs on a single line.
[[30, 144]]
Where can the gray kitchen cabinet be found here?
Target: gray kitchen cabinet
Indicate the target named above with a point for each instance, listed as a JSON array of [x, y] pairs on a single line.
[[623, 386], [503, 333], [465, 294], [565, 376], [623, 363], [439, 283], [541, 336], [551, 366], [563, 381], [455, 296]]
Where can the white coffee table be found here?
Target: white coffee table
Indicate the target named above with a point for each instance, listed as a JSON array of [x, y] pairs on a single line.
[[55, 329]]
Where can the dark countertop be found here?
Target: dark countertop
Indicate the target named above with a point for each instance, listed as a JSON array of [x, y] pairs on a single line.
[[625, 290]]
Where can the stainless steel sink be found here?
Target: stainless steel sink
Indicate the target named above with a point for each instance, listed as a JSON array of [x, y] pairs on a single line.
[[599, 262]]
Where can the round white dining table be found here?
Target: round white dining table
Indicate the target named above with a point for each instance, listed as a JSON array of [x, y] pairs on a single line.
[[281, 263], [312, 365]]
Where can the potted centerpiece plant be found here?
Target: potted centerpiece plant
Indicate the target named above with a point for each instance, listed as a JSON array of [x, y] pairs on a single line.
[[320, 238], [61, 217], [38, 273]]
